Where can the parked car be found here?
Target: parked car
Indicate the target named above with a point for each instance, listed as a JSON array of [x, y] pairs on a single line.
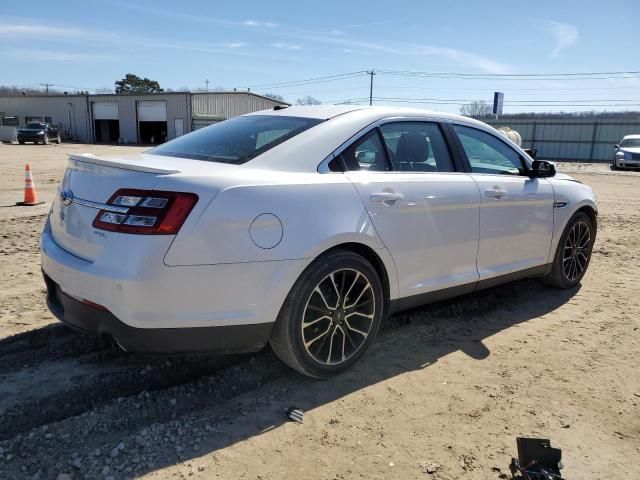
[[303, 228], [627, 153], [38, 132]]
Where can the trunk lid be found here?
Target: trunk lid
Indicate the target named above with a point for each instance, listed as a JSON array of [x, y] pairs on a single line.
[[95, 179]]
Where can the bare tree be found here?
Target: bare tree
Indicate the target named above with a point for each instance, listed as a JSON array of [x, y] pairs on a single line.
[[476, 109], [275, 96], [308, 100], [8, 90], [104, 90]]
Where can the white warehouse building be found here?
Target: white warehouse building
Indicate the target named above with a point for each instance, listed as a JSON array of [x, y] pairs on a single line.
[[130, 118]]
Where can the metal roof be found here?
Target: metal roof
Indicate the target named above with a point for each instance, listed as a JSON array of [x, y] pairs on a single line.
[[217, 92]]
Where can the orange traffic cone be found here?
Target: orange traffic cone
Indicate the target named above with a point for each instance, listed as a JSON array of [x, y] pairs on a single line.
[[30, 195]]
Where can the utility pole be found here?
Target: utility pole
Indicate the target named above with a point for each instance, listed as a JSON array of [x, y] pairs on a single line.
[[371, 74], [47, 85], [206, 82]]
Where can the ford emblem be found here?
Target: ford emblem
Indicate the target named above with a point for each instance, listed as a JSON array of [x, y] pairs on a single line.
[[66, 197]]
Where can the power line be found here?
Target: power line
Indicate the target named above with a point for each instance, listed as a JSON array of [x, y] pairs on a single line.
[[518, 91], [509, 89], [512, 101], [328, 78], [568, 103], [461, 75], [499, 75], [457, 76]]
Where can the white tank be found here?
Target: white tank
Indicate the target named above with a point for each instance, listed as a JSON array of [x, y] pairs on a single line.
[[512, 135]]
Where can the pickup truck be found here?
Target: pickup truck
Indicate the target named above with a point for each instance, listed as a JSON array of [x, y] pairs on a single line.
[[38, 132]]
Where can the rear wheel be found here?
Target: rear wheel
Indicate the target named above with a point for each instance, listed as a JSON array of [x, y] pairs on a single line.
[[573, 253], [21, 142], [331, 316], [46, 140], [58, 139]]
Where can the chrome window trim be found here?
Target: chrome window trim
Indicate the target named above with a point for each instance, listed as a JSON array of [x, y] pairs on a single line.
[[323, 167]]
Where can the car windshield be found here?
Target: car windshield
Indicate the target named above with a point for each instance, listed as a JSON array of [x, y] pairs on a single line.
[[237, 140], [631, 143], [35, 126]]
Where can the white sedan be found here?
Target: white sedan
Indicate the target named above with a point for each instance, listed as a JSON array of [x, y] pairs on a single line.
[[303, 227], [627, 153]]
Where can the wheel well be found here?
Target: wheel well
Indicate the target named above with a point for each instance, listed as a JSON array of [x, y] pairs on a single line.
[[376, 262], [592, 214]]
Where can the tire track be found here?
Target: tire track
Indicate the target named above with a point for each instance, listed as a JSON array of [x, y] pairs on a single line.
[[47, 344], [56, 444], [76, 373], [80, 380]]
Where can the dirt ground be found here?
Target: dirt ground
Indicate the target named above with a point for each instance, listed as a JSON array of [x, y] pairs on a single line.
[[442, 394]]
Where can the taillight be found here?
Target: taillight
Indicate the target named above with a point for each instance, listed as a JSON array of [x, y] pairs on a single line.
[[146, 212]]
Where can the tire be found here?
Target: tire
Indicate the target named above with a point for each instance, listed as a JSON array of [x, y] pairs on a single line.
[[613, 166], [46, 140], [573, 253], [58, 140], [21, 142], [318, 298]]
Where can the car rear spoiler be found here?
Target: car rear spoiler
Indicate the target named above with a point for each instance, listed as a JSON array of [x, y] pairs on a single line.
[[139, 164]]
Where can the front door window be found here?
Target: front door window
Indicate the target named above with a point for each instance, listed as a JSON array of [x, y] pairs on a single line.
[[488, 154]]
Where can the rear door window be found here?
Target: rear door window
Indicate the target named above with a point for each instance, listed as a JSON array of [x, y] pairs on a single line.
[[417, 147], [366, 153]]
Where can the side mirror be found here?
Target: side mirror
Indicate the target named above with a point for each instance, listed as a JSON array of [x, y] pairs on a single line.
[[542, 169], [616, 146]]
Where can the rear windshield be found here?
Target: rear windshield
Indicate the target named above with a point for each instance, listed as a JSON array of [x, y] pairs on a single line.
[[36, 126], [237, 140]]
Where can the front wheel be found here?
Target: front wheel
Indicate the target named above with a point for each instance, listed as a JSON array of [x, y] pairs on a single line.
[[331, 316], [58, 140], [45, 141], [573, 253]]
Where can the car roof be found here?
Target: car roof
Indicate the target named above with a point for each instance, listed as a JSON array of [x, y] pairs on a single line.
[[326, 112], [321, 112], [342, 123], [629, 137]]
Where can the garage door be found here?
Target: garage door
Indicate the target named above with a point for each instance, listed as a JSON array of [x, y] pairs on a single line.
[[105, 111], [152, 111]]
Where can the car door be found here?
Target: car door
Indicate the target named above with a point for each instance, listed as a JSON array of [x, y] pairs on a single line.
[[516, 211], [425, 212]]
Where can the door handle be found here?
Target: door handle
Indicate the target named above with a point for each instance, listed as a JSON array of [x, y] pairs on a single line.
[[385, 197], [495, 193]]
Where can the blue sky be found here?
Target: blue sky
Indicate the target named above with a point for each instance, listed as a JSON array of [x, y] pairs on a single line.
[[244, 44]]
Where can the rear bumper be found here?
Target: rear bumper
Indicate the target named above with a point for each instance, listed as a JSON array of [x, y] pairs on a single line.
[[159, 309], [218, 339]]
